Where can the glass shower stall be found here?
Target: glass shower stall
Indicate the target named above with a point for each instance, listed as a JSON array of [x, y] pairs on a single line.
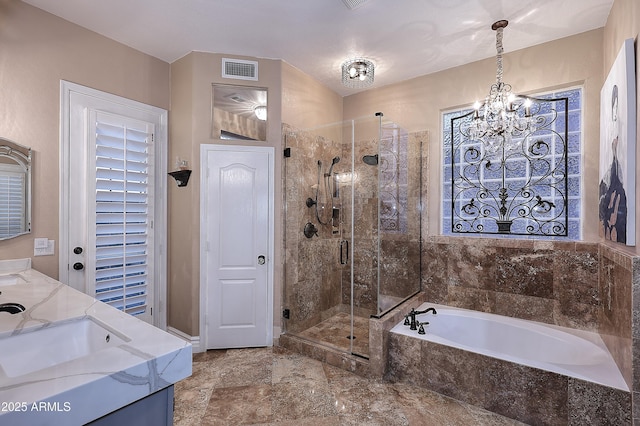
[[352, 228]]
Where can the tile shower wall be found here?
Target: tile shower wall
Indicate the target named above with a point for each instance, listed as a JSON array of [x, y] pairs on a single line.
[[365, 239], [390, 191], [312, 272], [317, 286], [402, 159]]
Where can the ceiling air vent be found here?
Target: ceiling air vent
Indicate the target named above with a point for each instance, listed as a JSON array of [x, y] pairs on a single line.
[[354, 4], [239, 69]]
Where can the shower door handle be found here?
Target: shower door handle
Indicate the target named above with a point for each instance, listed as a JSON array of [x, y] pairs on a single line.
[[344, 245]]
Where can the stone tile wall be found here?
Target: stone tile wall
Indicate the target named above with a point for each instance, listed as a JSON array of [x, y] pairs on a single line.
[[587, 286], [550, 282], [312, 271], [526, 394], [316, 285], [572, 284]]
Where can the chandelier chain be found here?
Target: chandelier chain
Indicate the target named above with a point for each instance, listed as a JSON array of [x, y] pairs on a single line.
[[499, 49]]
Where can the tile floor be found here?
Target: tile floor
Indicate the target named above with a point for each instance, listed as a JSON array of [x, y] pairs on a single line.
[[336, 332], [272, 386]]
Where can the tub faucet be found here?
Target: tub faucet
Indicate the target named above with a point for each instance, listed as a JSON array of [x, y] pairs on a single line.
[[430, 310], [421, 326], [410, 318]]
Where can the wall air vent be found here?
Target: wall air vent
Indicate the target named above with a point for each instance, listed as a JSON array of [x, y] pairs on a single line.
[[239, 69]]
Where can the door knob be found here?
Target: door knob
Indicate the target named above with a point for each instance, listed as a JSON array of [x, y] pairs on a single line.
[[78, 266], [261, 260], [77, 250]]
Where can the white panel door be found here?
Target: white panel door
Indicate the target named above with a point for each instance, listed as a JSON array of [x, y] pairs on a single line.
[[236, 262]]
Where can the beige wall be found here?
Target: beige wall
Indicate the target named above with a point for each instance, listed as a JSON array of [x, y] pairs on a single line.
[[624, 23], [293, 97], [305, 102], [37, 50], [416, 104], [182, 209], [191, 86]]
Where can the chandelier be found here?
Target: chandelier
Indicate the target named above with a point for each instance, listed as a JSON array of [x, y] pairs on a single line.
[[503, 114], [509, 162]]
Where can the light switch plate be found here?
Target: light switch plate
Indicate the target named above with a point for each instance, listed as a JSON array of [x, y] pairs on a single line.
[[40, 243], [48, 250]]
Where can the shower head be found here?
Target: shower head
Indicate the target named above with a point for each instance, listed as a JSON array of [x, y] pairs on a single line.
[[371, 160], [335, 161]]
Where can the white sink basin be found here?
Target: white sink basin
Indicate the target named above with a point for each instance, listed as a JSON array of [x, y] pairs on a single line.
[[11, 279], [59, 343]]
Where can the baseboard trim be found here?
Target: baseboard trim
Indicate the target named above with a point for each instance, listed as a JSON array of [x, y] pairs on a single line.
[[194, 340]]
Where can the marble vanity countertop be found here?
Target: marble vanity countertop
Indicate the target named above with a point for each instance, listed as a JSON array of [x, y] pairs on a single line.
[[38, 386]]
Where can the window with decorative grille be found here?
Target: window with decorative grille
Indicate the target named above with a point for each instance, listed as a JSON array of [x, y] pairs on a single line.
[[540, 179]]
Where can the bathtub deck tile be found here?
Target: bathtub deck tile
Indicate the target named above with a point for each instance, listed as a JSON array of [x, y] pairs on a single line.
[[590, 401], [526, 394], [454, 372], [405, 360]]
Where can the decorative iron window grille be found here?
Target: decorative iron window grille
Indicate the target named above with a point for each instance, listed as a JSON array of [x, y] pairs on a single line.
[[528, 186]]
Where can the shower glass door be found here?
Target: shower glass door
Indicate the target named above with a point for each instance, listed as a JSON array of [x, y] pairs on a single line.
[[349, 235], [318, 191]]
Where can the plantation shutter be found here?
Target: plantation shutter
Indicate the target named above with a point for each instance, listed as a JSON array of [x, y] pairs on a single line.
[[123, 212], [12, 204]]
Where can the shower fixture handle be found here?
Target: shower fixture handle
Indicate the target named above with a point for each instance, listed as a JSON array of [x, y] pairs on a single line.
[[310, 230], [344, 245]]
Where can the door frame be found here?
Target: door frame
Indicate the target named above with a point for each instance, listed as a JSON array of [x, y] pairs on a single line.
[[105, 101], [204, 294]]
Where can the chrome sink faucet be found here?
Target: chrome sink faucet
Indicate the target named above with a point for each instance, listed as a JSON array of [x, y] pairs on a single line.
[[410, 318]]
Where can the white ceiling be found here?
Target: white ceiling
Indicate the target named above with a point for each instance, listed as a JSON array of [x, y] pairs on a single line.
[[404, 38]]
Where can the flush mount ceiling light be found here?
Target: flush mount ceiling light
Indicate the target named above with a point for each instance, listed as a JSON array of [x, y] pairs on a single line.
[[357, 73], [261, 112]]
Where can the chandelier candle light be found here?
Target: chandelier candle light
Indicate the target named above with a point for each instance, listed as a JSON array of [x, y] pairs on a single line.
[[497, 119], [509, 162]]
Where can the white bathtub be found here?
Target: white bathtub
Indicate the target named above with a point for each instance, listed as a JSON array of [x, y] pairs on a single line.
[[570, 352]]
